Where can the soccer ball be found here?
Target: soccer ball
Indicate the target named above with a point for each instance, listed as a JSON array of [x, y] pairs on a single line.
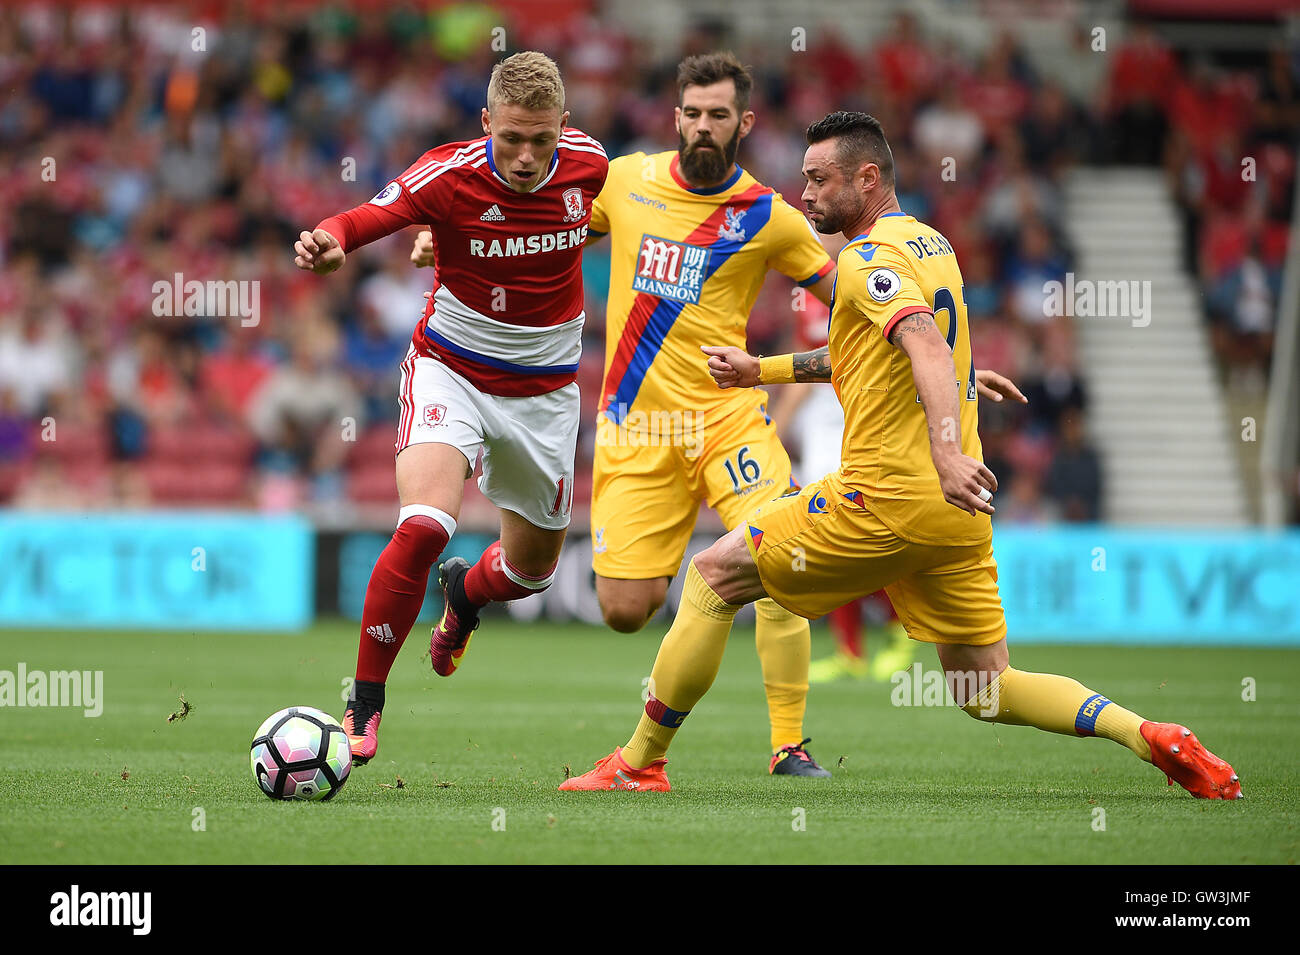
[[301, 753]]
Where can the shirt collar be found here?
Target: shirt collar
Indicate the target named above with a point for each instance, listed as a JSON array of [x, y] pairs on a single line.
[[492, 164]]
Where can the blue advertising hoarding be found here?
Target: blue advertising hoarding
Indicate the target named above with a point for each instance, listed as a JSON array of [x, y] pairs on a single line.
[[359, 551], [204, 570], [1098, 584], [197, 570]]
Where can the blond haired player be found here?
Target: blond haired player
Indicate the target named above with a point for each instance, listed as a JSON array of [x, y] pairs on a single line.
[[908, 509], [492, 366]]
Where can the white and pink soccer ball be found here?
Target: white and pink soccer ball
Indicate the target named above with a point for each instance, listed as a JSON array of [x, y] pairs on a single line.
[[301, 753]]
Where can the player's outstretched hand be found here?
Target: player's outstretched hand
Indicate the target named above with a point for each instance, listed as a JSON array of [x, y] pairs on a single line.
[[731, 367], [962, 478], [318, 252], [995, 387], [423, 254]]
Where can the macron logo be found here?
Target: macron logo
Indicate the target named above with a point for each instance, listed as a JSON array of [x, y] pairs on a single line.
[[493, 215], [75, 907]]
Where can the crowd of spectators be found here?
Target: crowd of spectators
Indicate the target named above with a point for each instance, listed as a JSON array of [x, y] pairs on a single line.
[[1230, 152], [136, 149]]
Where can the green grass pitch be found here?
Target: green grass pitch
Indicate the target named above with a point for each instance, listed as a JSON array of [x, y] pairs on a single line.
[[915, 785]]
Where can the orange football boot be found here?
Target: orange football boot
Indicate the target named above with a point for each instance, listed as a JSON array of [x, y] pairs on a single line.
[[613, 772], [1177, 753]]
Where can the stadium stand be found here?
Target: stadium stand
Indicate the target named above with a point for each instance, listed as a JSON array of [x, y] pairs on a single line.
[[166, 161]]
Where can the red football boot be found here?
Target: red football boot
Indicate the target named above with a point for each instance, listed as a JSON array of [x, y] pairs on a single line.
[[1177, 753], [613, 772]]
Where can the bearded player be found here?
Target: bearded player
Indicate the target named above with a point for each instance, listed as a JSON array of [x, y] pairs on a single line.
[[907, 510], [492, 365], [692, 237]]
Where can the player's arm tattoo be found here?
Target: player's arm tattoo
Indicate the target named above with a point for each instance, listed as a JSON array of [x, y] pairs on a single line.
[[917, 322], [813, 365]]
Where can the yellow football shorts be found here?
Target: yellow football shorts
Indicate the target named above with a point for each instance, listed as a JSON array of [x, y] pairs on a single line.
[[647, 486], [820, 548]]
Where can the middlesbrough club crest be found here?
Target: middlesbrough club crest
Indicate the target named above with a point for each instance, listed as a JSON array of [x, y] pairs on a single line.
[[434, 415], [573, 205]]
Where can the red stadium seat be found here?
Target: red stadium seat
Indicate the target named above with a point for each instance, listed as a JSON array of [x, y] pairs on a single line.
[[169, 482], [179, 483], [375, 484], [227, 485], [75, 442], [373, 446], [201, 443], [11, 476], [86, 473]]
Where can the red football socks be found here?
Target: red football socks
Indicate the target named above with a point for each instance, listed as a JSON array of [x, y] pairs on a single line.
[[846, 624], [396, 591], [494, 579]]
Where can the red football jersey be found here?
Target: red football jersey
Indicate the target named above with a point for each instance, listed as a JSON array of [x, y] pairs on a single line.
[[506, 311]]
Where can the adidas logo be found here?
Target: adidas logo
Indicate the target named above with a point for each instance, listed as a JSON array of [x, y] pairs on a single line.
[[493, 215], [382, 632]]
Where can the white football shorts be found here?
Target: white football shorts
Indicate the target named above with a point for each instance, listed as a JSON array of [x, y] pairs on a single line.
[[528, 443]]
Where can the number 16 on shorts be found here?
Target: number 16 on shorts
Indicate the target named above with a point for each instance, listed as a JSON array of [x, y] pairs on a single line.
[[743, 471]]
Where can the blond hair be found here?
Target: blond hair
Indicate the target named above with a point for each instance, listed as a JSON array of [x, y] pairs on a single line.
[[529, 79]]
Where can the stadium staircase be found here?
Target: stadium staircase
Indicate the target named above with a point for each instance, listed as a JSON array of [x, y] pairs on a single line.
[[1157, 412]]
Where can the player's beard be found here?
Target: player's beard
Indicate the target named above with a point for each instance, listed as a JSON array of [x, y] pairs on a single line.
[[707, 167], [836, 215]]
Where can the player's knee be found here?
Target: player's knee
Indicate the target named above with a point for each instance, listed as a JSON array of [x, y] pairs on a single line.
[[729, 570], [628, 605], [710, 565], [628, 612], [627, 618], [973, 673], [978, 693], [422, 532]]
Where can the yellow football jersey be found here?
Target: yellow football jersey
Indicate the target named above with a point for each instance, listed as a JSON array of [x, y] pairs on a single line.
[[685, 268], [899, 267]]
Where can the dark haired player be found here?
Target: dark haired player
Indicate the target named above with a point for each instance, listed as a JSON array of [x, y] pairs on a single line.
[[908, 509]]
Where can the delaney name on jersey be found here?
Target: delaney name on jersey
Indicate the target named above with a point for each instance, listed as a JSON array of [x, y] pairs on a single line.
[[528, 245]]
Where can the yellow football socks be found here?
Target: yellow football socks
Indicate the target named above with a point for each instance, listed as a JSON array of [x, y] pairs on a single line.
[[783, 643], [1057, 704], [684, 670]]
